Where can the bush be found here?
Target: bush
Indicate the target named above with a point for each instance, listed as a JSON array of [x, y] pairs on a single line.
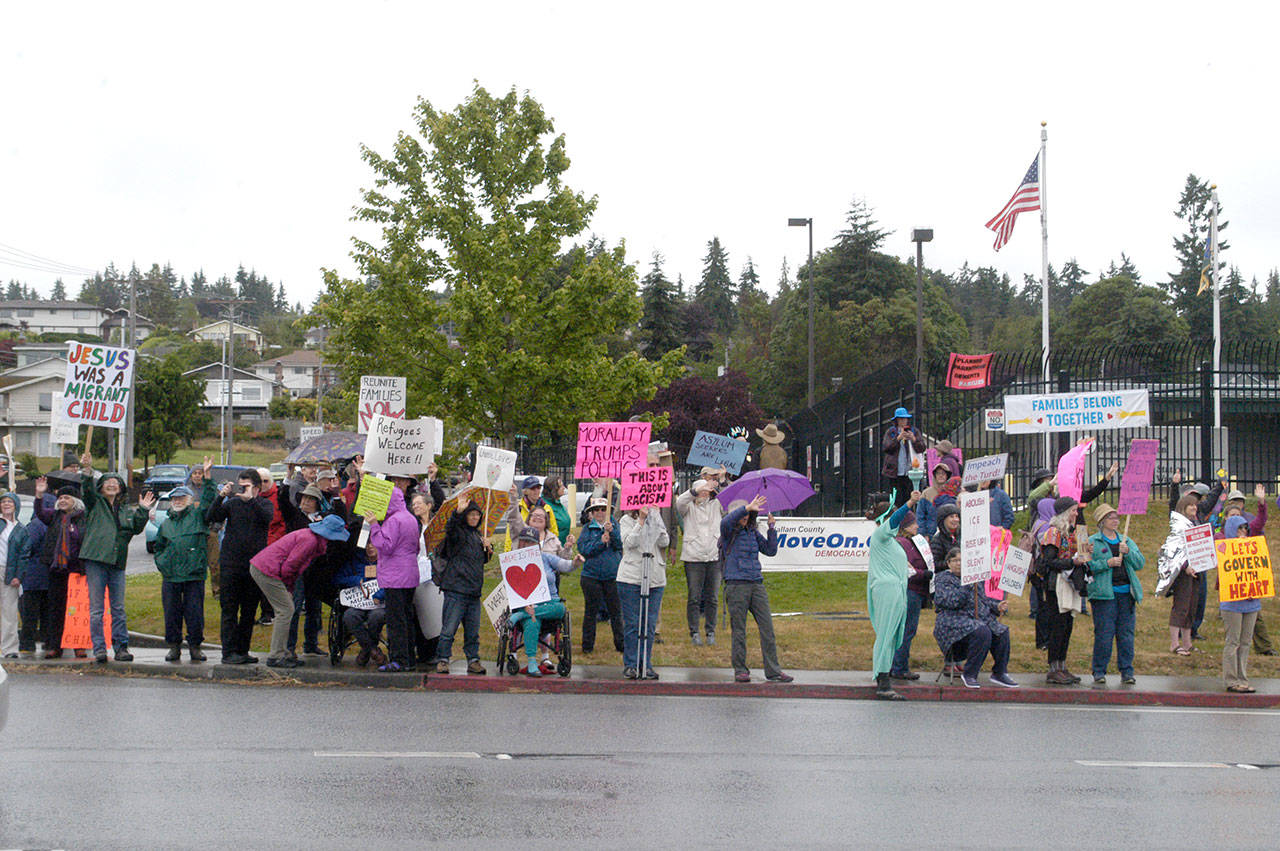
[[275, 431], [241, 432], [30, 465]]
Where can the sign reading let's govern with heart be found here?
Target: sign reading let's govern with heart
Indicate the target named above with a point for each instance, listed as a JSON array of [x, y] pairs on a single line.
[[523, 577]]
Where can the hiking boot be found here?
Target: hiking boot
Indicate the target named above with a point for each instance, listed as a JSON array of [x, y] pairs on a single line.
[[1059, 678], [123, 654], [196, 654], [442, 667], [474, 667], [884, 691], [100, 658], [174, 654]]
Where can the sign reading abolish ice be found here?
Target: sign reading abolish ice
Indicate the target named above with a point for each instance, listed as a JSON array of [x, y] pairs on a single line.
[[380, 394], [1076, 411], [399, 447], [717, 450], [606, 449], [647, 488], [99, 384], [975, 537], [819, 543]]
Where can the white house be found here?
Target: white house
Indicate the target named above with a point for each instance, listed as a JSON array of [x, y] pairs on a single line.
[[216, 332], [301, 372], [31, 353], [62, 317], [26, 405], [116, 327], [250, 393]]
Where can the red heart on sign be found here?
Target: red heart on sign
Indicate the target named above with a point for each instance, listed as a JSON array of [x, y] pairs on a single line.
[[524, 579], [1040, 419], [1111, 416]]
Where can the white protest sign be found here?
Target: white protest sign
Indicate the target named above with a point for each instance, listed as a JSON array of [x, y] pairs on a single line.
[[61, 429], [523, 577], [380, 394], [495, 468], [975, 537], [819, 543], [360, 596], [305, 433], [1044, 412], [397, 447], [439, 424], [99, 384], [989, 468], [495, 606], [1017, 565], [1201, 554]]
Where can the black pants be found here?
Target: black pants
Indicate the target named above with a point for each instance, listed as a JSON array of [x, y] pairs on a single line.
[[35, 619], [424, 648], [183, 602], [1052, 625], [238, 596], [57, 611], [596, 592], [1202, 594], [400, 617], [307, 596]]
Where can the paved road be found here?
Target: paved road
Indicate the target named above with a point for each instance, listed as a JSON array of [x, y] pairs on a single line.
[[102, 762]]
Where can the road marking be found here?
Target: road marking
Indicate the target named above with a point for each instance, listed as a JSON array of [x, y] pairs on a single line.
[[398, 755], [1106, 763], [1163, 710]]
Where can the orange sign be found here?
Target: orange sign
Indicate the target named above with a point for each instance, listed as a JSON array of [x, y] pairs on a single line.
[[1244, 569], [75, 630]]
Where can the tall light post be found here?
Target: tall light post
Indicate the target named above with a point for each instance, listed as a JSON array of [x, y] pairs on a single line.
[[229, 368], [800, 223], [920, 236]]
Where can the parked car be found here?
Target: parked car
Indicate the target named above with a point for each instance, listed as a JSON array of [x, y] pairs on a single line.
[[163, 478], [153, 525], [223, 473], [278, 471]]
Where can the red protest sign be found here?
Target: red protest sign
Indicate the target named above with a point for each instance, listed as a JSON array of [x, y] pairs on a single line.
[[968, 372], [75, 628], [650, 487]]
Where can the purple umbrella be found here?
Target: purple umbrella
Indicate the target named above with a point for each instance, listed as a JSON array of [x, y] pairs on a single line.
[[782, 489]]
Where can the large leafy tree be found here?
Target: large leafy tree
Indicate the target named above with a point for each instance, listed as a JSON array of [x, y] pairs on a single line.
[[167, 408], [694, 403], [471, 209], [1120, 310]]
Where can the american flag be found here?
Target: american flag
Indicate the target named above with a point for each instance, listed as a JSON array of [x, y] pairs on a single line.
[[1024, 200]]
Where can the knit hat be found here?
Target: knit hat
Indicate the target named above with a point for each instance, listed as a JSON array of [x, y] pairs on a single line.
[[331, 527], [69, 459], [946, 511], [1063, 503], [1230, 529], [68, 490], [1100, 513], [907, 519]]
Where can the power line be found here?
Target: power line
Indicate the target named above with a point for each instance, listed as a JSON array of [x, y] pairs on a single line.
[[26, 259]]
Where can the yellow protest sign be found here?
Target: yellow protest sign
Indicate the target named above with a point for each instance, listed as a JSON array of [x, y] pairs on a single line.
[[1244, 570], [375, 496]]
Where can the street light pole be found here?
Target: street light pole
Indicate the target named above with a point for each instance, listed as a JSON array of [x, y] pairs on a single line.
[[230, 367], [799, 223], [920, 236]]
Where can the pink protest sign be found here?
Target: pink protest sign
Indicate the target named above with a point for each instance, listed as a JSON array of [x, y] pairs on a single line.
[[1000, 540], [1071, 470], [932, 459], [1139, 473], [646, 488], [606, 449]]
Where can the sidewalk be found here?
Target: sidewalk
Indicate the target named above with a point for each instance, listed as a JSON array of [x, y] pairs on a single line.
[[1204, 692]]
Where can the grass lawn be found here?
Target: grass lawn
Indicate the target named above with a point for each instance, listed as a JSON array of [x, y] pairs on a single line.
[[833, 632]]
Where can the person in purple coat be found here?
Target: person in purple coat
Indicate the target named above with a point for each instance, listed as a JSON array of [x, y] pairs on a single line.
[[396, 541]]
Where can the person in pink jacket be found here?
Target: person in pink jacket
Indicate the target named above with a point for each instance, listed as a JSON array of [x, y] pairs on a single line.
[[276, 569], [396, 541]]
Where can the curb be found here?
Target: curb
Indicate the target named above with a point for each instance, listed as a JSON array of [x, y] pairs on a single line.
[[217, 672], [146, 639]]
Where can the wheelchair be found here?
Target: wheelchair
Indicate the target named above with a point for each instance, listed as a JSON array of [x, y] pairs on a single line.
[[340, 640], [555, 636]]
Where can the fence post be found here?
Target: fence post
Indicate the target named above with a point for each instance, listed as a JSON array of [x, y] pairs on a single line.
[[1064, 438], [1206, 422]]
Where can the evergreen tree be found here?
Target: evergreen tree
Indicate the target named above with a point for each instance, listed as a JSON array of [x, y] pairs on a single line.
[[715, 290], [660, 322], [13, 292], [59, 291], [748, 285], [1126, 269], [199, 285], [282, 302], [1183, 285]]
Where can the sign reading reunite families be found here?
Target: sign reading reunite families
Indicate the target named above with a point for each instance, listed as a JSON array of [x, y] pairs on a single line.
[[99, 384], [398, 447], [1069, 411], [717, 450], [975, 537], [606, 449], [1244, 569], [522, 575], [380, 394], [647, 488]]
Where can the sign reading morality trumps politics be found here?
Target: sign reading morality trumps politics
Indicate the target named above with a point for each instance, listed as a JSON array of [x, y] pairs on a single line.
[[99, 386], [606, 449], [1076, 411]]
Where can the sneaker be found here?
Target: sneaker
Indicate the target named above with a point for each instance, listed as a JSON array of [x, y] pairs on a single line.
[[781, 678], [711, 639], [11, 655], [650, 674], [1099, 681], [905, 675], [250, 660], [1128, 680], [742, 678], [631, 673], [123, 654], [313, 651], [474, 667], [174, 654], [265, 621], [546, 667], [442, 667], [1003, 680], [100, 658], [286, 662], [970, 682], [533, 671], [695, 639], [196, 654]]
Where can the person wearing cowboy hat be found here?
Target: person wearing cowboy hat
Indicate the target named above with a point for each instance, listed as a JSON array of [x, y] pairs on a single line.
[[1114, 592], [771, 453]]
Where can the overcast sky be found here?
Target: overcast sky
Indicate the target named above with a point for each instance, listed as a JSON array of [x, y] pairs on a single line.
[[213, 135]]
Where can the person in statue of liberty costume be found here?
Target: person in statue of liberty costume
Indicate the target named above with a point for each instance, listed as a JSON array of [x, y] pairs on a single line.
[[887, 593]]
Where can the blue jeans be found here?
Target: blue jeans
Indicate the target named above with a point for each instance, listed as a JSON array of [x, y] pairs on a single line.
[[901, 659], [551, 610], [629, 595], [459, 609], [1113, 621], [104, 577]]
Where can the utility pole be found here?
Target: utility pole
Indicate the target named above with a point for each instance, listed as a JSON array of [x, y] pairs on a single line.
[[229, 369]]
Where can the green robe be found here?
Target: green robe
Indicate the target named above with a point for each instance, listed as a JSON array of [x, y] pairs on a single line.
[[887, 593]]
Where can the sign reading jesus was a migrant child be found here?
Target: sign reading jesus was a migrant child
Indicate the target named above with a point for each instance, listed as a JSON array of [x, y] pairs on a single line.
[[99, 386]]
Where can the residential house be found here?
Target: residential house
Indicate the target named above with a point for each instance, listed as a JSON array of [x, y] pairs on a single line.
[[315, 338], [115, 328], [250, 393], [31, 353], [26, 404], [216, 332], [301, 373], [45, 317]]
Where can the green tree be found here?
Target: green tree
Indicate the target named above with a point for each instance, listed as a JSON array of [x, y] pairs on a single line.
[[715, 289], [59, 292], [1120, 310], [748, 286], [1193, 209], [168, 408], [473, 201], [660, 322]]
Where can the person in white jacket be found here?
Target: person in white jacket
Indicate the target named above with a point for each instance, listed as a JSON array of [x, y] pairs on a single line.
[[644, 537], [700, 512]]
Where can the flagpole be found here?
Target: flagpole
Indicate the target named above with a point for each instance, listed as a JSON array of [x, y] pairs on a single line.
[[1217, 312], [1044, 273]]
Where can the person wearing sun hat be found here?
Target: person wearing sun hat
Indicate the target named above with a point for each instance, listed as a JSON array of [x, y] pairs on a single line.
[[1115, 593], [771, 453], [901, 446]]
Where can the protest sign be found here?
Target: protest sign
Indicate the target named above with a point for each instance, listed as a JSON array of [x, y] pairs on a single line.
[[1200, 551], [398, 447], [495, 468], [75, 628], [523, 577], [717, 450], [933, 459], [975, 537], [61, 429], [989, 468], [305, 433], [819, 544], [1139, 473], [994, 418], [495, 606], [1071, 471], [968, 372], [1043, 412], [374, 496], [606, 449], [360, 596], [1244, 570], [99, 384], [650, 487], [380, 394], [1000, 540], [1017, 565]]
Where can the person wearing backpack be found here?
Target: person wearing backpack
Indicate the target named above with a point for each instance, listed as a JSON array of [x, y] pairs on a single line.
[[744, 591]]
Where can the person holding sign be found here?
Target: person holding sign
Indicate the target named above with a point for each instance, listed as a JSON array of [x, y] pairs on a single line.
[[1060, 576], [395, 537], [968, 623], [531, 618], [601, 546], [105, 549], [465, 550], [1176, 578], [644, 538], [1114, 592], [60, 556], [1238, 618], [744, 589], [1257, 522]]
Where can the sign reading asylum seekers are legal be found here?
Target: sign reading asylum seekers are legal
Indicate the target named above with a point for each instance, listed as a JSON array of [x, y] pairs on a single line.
[[99, 384]]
